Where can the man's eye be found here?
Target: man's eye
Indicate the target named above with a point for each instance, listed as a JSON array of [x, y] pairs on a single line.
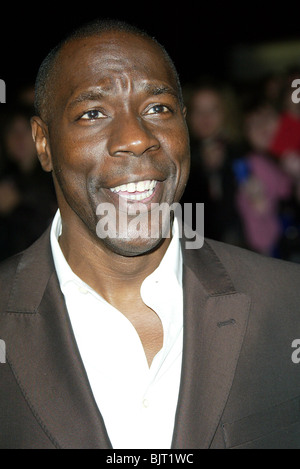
[[158, 109], [92, 115]]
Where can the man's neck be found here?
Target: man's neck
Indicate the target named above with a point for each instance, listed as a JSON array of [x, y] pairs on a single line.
[[115, 277]]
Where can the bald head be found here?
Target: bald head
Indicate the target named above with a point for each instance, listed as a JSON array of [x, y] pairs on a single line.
[[50, 70]]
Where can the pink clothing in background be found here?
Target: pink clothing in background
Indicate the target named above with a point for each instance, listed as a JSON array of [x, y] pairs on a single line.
[[262, 228]]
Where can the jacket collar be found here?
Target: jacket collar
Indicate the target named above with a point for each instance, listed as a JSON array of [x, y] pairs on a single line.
[[215, 321]]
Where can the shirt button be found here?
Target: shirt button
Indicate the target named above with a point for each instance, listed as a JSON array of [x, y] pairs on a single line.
[[83, 290], [145, 403]]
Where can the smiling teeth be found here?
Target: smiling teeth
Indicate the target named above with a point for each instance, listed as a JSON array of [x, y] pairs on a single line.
[[145, 189], [141, 196]]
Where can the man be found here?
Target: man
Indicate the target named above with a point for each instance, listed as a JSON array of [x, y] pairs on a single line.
[[130, 341]]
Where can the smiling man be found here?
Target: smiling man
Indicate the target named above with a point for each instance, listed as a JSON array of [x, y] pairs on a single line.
[[113, 132], [135, 341]]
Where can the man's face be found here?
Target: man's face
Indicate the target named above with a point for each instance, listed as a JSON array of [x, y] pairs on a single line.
[[117, 132]]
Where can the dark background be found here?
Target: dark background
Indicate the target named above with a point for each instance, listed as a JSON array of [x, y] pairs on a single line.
[[242, 46], [198, 35]]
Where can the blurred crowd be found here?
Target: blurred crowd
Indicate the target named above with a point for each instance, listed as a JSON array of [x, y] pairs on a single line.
[[245, 166], [245, 148]]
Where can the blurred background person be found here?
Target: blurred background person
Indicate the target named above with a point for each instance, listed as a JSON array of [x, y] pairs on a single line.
[[262, 182], [27, 200], [214, 131]]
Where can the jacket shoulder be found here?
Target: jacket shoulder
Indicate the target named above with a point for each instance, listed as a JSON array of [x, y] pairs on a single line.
[[26, 271], [249, 270], [8, 270]]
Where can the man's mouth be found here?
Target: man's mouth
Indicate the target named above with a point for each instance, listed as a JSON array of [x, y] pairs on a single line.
[[140, 190]]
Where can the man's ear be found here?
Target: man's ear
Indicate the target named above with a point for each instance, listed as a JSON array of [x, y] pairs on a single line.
[[41, 138]]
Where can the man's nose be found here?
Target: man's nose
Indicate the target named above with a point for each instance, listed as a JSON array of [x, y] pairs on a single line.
[[130, 136]]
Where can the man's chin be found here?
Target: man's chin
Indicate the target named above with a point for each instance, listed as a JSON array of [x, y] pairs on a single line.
[[131, 247], [134, 234]]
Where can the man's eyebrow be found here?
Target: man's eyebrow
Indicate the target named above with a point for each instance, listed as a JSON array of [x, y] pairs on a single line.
[[98, 94], [88, 95], [155, 90]]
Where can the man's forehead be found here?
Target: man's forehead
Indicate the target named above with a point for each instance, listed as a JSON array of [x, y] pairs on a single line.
[[112, 47], [87, 62]]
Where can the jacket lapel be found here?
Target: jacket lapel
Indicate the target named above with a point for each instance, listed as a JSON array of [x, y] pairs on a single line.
[[215, 319], [43, 350]]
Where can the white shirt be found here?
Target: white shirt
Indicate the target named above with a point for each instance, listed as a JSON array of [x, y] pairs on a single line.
[[138, 403]]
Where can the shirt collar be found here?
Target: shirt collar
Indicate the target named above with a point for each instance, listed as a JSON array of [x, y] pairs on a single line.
[[169, 268]]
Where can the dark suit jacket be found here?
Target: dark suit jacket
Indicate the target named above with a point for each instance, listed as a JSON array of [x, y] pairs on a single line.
[[239, 386]]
